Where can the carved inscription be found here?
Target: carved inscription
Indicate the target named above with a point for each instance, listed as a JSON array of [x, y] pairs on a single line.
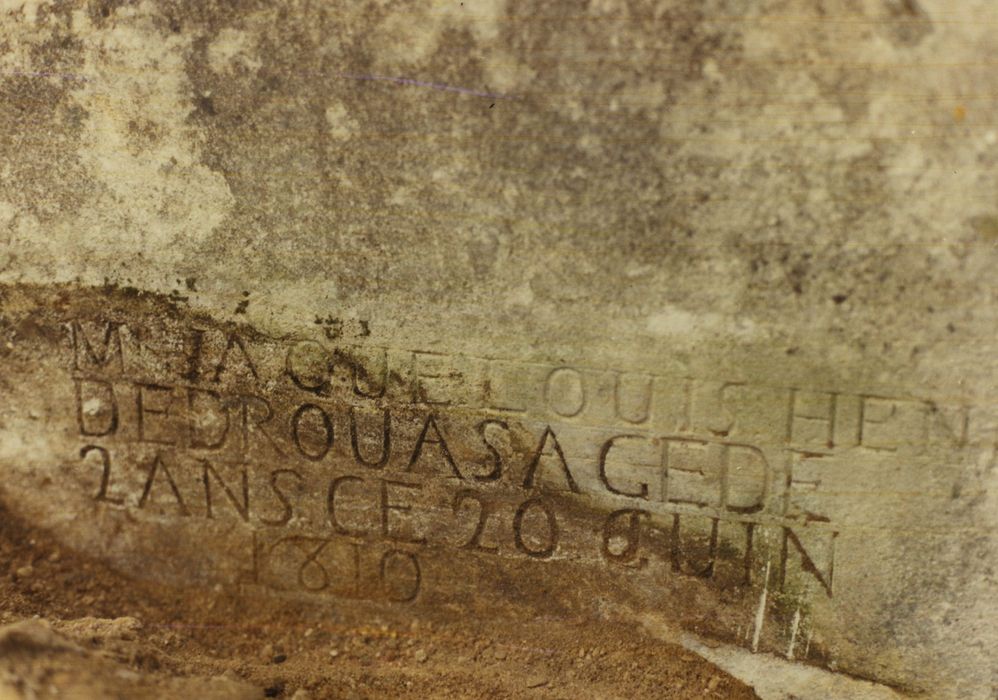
[[371, 457], [315, 467], [334, 469]]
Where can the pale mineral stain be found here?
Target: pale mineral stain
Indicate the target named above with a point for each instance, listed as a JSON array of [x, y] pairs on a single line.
[[27, 8], [233, 49], [138, 147], [141, 74], [408, 35], [7, 213], [341, 125], [679, 322]]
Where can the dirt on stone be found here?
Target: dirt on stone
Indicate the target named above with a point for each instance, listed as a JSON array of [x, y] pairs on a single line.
[[73, 627]]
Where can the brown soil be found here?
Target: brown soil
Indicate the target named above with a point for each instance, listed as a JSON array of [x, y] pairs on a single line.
[[71, 626]]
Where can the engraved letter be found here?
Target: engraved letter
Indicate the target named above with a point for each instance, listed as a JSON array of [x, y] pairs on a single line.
[[234, 341], [288, 512], [418, 450], [807, 562], [496, 472], [386, 441], [319, 450], [360, 373], [745, 478], [387, 505], [211, 422], [440, 383], [241, 508], [552, 539], [643, 406], [642, 492], [631, 536], [105, 479], [565, 392], [484, 510], [334, 486], [147, 406], [95, 399], [309, 366], [528, 479], [108, 349], [812, 419], [154, 468], [252, 421], [400, 595]]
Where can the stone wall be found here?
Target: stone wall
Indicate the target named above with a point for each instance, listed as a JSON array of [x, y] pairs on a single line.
[[658, 308]]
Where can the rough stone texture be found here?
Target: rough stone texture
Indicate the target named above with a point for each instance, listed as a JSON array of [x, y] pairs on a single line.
[[758, 237]]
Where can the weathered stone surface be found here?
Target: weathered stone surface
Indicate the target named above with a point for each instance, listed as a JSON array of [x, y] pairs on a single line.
[[652, 309]]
